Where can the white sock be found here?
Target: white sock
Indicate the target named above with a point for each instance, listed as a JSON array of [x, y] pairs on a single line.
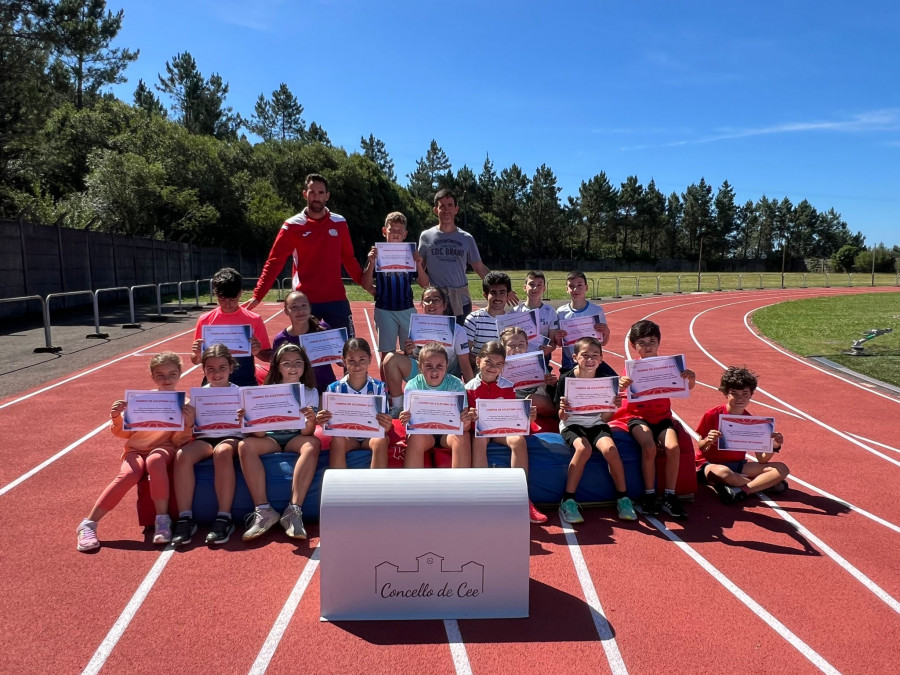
[[224, 514], [264, 506], [396, 400], [88, 523], [185, 514]]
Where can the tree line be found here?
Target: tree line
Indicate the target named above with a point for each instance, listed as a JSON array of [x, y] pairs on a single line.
[[176, 162]]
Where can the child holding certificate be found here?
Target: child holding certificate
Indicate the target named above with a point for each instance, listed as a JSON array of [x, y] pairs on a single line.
[[299, 311], [400, 368], [433, 376], [515, 341], [732, 477], [145, 451], [218, 365], [650, 423], [586, 431], [488, 384], [392, 286], [227, 286], [357, 356], [578, 307], [289, 365]]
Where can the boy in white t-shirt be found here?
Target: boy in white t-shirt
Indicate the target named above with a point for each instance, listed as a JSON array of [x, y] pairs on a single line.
[[579, 306], [535, 284]]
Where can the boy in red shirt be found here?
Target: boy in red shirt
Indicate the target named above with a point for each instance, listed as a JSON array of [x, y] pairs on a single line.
[[732, 477], [650, 423]]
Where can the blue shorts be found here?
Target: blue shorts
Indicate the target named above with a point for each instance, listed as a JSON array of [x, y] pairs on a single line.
[[392, 327]]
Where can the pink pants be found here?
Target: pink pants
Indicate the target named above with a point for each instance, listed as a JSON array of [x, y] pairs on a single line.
[[156, 464]]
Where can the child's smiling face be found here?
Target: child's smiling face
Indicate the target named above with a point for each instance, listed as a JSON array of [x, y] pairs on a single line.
[[217, 370], [496, 298], [166, 375], [357, 362], [517, 344], [297, 308], [433, 303]]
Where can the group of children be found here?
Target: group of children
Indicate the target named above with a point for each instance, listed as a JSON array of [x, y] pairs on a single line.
[[472, 365]]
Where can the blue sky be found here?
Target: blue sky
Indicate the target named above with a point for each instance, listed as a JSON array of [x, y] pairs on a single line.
[[796, 99]]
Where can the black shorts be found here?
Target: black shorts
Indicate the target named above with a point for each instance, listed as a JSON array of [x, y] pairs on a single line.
[[655, 429], [592, 434], [737, 467]]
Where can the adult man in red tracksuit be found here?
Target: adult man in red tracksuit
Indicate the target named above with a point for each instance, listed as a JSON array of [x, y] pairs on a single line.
[[319, 242]]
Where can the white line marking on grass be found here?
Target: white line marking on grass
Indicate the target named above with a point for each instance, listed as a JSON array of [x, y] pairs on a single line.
[[845, 564], [457, 647], [813, 656], [121, 624], [284, 617], [601, 624], [772, 345], [807, 416], [47, 462]]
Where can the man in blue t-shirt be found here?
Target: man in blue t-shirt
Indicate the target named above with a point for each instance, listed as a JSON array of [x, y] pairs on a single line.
[[393, 290]]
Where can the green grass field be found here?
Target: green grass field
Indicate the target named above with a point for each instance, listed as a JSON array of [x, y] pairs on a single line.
[[828, 326], [603, 284]]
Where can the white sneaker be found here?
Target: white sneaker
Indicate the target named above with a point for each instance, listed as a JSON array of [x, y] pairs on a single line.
[[259, 521], [292, 522], [163, 531]]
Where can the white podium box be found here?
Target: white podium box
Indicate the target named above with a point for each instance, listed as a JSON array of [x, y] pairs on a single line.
[[424, 544]]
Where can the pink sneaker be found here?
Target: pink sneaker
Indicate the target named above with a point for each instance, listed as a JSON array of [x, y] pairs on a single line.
[[87, 538], [536, 516]]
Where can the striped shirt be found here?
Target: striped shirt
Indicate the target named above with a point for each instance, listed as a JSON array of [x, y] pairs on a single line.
[[372, 387], [393, 290], [481, 328]]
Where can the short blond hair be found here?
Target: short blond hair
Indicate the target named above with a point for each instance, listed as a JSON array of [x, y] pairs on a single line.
[[395, 217], [430, 348], [166, 357]]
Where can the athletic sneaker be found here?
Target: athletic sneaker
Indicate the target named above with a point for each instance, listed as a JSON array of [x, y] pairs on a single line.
[[625, 509], [259, 521], [650, 505], [87, 538], [534, 515], [671, 505], [730, 495], [396, 410], [220, 533], [568, 512], [292, 522], [778, 488], [185, 528], [162, 533]]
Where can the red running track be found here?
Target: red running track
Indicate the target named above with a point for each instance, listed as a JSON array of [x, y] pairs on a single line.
[[807, 582]]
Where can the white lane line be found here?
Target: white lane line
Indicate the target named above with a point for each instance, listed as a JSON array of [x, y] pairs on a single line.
[[47, 462], [805, 415], [284, 617], [756, 403], [374, 339], [806, 363], [794, 478], [787, 634], [845, 564], [601, 624], [92, 370], [457, 648], [112, 637], [869, 440]]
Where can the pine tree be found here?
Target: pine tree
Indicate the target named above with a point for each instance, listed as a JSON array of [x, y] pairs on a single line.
[[374, 149], [598, 207], [316, 134], [199, 103], [146, 100], [81, 32], [278, 117], [424, 180]]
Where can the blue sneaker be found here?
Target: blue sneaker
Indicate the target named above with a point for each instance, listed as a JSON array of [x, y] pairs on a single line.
[[569, 512], [625, 509]]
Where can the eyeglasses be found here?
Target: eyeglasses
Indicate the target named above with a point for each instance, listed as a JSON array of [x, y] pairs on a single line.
[[430, 301]]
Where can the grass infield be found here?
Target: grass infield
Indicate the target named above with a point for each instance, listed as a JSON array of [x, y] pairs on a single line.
[[828, 326]]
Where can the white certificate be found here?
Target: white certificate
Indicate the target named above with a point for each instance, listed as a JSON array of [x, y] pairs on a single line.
[[274, 407], [434, 412], [502, 417], [579, 327], [425, 328], [353, 415], [587, 395], [525, 370], [657, 377], [236, 338], [538, 342], [746, 433], [395, 257], [527, 321], [216, 409], [324, 346], [153, 411]]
